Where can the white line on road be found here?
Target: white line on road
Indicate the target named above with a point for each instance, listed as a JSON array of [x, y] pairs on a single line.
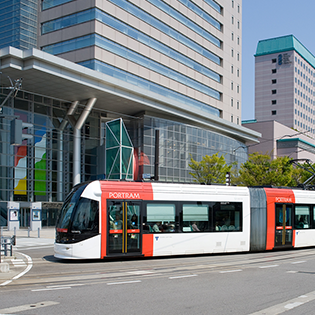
[[27, 307], [298, 262], [65, 285], [186, 276], [270, 266], [125, 282], [227, 271], [288, 305], [58, 287], [51, 289], [140, 272], [27, 269]]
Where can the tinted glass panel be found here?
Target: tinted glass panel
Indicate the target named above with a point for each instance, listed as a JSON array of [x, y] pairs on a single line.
[[195, 218], [161, 218], [302, 217]]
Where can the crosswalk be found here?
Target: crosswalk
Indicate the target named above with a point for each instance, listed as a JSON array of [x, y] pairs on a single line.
[[18, 263]]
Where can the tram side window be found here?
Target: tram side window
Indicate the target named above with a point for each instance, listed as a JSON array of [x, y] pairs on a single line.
[[302, 217], [86, 217], [195, 218], [160, 218], [228, 216]]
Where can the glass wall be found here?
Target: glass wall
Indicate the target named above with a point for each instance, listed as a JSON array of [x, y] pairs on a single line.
[[40, 168], [179, 142]]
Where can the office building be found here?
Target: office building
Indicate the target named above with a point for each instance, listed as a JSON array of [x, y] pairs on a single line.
[[116, 88], [284, 99], [285, 83]]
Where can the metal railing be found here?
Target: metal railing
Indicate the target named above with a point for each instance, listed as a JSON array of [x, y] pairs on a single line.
[[6, 245]]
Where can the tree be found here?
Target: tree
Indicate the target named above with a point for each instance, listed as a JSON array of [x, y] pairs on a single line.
[[210, 170], [261, 170]]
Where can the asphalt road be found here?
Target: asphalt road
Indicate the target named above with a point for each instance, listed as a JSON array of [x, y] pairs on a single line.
[[260, 283]]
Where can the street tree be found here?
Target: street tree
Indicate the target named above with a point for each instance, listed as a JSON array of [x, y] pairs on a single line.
[[210, 170], [261, 170]]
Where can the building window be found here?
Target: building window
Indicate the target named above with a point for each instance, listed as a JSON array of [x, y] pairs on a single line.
[[232, 36], [231, 102], [274, 92], [232, 3], [238, 8], [238, 56], [232, 52], [274, 102], [232, 68], [238, 105], [231, 85], [232, 19], [274, 81], [273, 112], [238, 24], [238, 40], [274, 70], [238, 72], [238, 89], [274, 60], [231, 118], [238, 120]]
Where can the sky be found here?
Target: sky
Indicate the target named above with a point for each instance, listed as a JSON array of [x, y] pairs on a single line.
[[263, 19]]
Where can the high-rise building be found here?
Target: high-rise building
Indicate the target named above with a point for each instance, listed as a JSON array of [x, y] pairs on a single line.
[[285, 83], [18, 26], [184, 51]]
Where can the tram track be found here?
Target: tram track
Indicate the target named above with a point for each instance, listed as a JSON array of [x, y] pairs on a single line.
[[149, 268]]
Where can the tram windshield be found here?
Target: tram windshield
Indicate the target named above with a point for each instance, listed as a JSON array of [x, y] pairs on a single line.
[[64, 220], [78, 219]]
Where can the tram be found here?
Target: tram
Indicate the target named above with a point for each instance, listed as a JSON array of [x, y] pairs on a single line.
[[107, 219]]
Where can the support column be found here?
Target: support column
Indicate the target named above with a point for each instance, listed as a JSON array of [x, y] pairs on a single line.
[[77, 141], [60, 163]]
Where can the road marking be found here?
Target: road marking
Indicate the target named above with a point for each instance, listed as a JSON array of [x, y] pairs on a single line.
[[186, 276], [18, 262], [298, 262], [58, 287], [140, 272], [51, 289], [27, 269], [270, 266], [125, 282], [288, 305], [27, 307], [65, 285], [227, 271]]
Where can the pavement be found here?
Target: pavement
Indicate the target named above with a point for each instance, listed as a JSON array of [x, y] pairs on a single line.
[[13, 267]]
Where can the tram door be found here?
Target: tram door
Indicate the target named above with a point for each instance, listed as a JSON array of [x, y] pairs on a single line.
[[284, 230], [124, 227]]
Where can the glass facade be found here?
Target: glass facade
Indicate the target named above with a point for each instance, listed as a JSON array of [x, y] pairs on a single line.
[[123, 27], [88, 15], [179, 142], [46, 4], [18, 23]]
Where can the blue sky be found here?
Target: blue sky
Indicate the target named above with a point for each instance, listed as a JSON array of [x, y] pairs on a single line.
[[264, 19]]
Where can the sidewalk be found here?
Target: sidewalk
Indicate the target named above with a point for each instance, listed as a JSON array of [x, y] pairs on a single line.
[[11, 267], [47, 232]]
